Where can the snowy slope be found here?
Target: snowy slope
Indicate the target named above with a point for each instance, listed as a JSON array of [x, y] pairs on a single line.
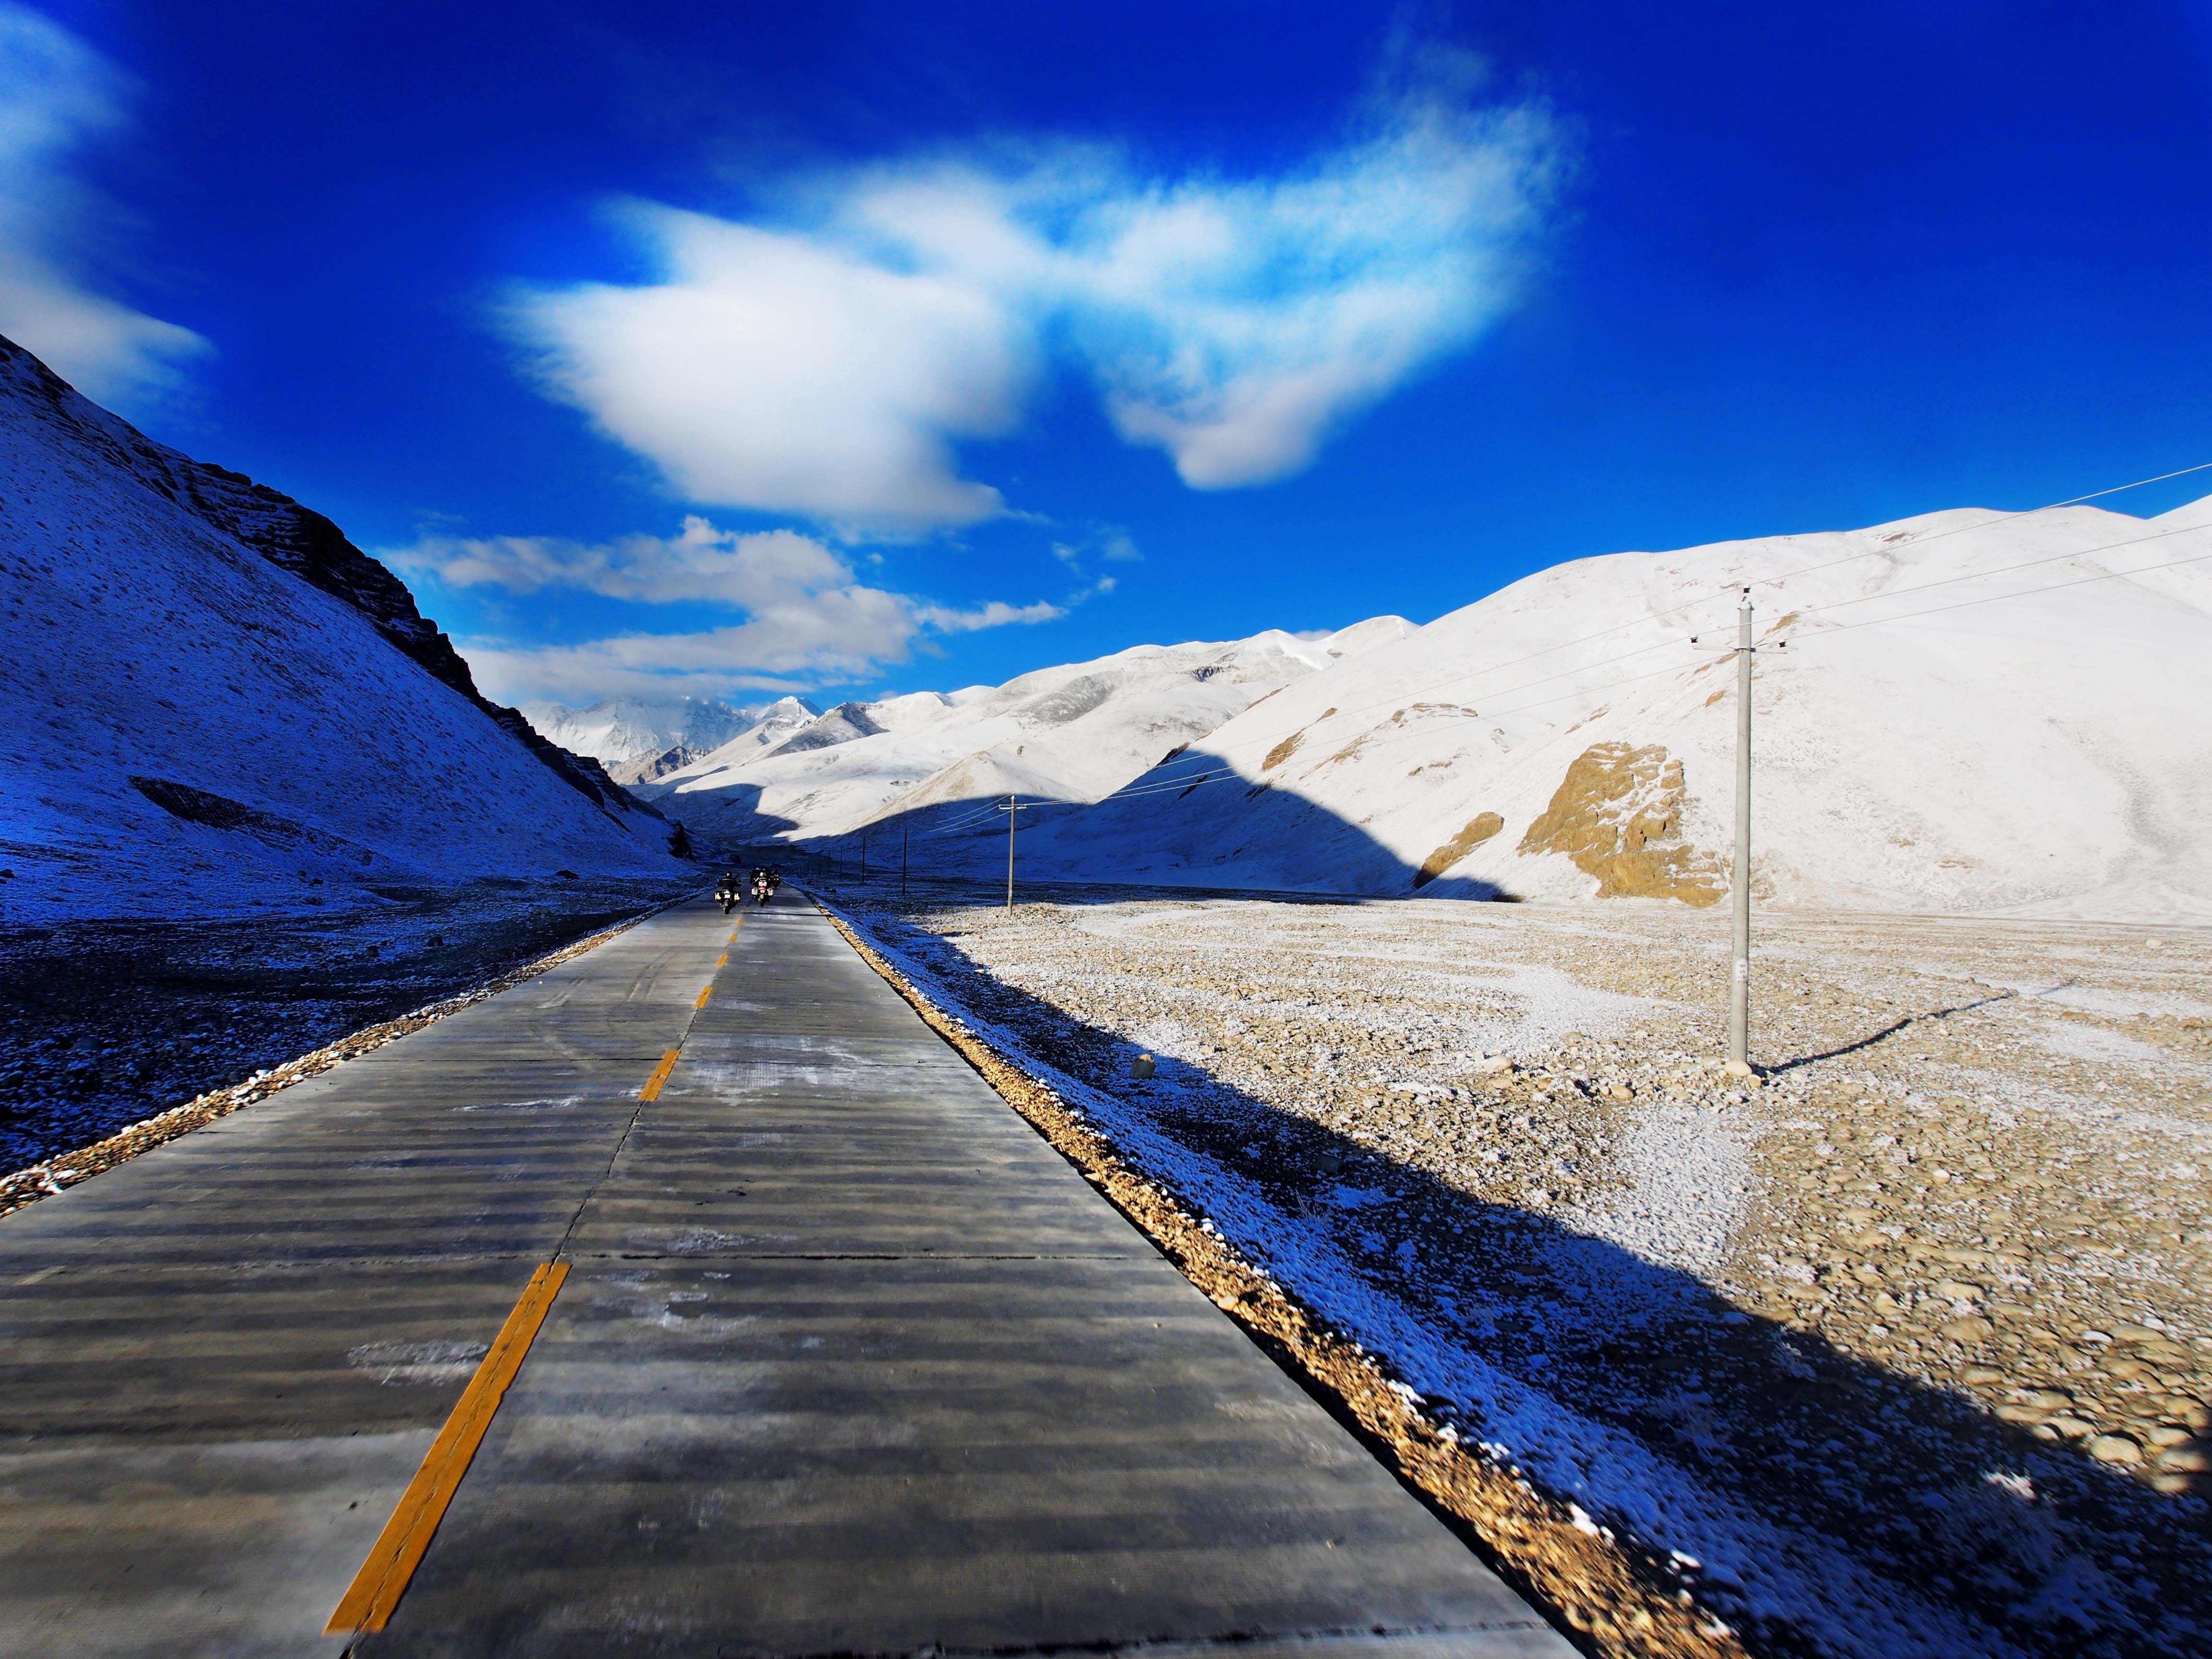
[[1073, 732], [634, 738], [213, 701], [2035, 752]]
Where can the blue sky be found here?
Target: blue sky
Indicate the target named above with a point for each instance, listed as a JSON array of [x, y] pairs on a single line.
[[729, 348]]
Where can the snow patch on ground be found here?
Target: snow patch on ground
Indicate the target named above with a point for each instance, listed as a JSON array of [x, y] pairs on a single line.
[[1691, 1182]]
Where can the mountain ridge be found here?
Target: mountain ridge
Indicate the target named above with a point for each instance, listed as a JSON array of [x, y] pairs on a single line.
[[216, 697], [1094, 724], [1976, 712]]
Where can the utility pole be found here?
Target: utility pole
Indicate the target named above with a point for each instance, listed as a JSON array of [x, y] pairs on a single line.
[[1739, 1061], [1012, 809]]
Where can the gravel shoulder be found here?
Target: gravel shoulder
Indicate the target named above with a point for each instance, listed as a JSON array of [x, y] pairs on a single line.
[[1904, 1348]]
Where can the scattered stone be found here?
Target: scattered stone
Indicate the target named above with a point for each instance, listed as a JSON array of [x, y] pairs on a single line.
[[2116, 1449], [2063, 1234]]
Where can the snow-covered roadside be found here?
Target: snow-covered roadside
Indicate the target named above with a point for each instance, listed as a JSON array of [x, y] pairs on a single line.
[[102, 1024], [63, 1168], [1746, 1568], [1535, 1248]]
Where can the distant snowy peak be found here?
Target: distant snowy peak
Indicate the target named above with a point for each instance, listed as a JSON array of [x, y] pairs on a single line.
[[1073, 733], [1363, 637], [847, 721], [634, 738]]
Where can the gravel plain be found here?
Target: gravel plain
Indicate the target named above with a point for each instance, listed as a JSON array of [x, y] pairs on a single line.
[[1930, 1290]]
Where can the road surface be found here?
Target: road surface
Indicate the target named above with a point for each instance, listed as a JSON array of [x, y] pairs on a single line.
[[846, 1360]]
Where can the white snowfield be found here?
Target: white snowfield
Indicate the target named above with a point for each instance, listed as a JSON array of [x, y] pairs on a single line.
[[1071, 733], [1974, 711], [285, 749], [634, 738]]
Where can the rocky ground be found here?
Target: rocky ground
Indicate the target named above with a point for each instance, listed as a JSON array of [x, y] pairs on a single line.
[[104, 1024], [1922, 1308]]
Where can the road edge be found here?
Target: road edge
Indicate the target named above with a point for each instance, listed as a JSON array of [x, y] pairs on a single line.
[[51, 1176], [1608, 1598]]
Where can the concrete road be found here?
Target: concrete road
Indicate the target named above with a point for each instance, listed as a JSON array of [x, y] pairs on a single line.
[[847, 1361]]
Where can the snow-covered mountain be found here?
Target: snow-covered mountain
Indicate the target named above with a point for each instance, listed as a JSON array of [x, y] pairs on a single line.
[[1973, 711], [635, 739], [1070, 733], [213, 701]]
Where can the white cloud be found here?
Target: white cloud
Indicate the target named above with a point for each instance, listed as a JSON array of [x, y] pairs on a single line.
[[806, 619], [828, 365], [57, 94], [769, 371], [996, 614], [753, 572]]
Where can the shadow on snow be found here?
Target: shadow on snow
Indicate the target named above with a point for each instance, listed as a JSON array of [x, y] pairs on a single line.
[[1754, 1440]]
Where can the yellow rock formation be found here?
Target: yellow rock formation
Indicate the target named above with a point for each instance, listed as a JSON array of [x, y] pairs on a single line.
[[1479, 829], [1618, 815]]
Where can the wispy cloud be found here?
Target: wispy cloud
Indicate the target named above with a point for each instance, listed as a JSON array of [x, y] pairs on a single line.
[[996, 614], [58, 95], [828, 363], [807, 620], [1109, 542]]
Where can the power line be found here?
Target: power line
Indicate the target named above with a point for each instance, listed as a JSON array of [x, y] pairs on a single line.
[[1787, 575], [1140, 788], [2006, 570], [1229, 774], [1959, 530], [2019, 593]]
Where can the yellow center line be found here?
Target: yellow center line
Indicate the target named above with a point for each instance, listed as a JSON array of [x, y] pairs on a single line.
[[652, 1090], [722, 960], [703, 995], [383, 1576]]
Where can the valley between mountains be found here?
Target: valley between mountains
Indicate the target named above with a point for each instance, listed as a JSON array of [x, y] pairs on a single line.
[[1395, 954]]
